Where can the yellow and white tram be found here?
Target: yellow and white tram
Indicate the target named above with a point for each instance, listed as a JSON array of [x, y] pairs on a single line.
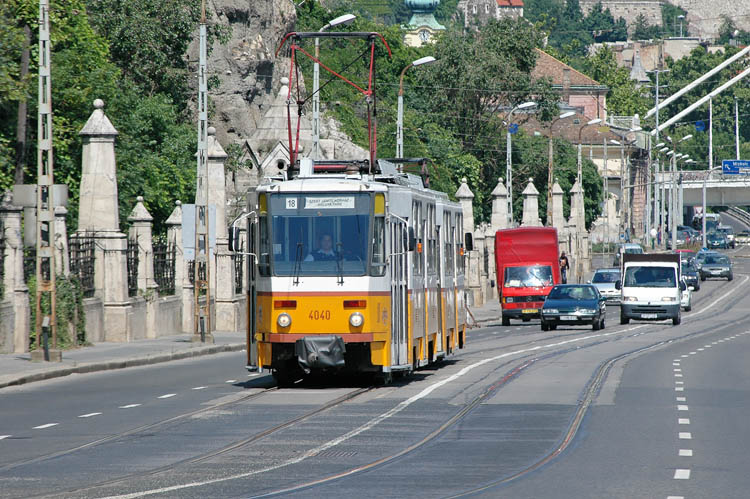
[[357, 269]]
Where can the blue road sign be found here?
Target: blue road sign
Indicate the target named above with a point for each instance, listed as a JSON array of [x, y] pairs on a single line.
[[735, 167], [513, 128], [700, 126]]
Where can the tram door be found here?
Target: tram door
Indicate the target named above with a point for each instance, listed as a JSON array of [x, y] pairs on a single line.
[[398, 235]]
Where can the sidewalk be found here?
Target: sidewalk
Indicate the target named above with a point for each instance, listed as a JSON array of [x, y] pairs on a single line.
[[488, 312], [17, 369]]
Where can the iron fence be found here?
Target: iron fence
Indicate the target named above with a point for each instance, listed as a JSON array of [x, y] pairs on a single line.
[[81, 255], [132, 258], [164, 266], [239, 271]]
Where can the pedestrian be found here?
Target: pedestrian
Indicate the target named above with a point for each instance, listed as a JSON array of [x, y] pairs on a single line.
[[564, 267]]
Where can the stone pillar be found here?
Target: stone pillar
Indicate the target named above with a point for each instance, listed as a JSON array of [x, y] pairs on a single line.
[[13, 280], [577, 213], [558, 216], [466, 197], [98, 213], [489, 242], [530, 206], [140, 230], [182, 285], [499, 218], [62, 257]]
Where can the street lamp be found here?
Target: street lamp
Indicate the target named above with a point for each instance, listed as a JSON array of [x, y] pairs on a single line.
[[508, 161], [551, 167], [400, 120], [673, 201], [681, 18], [339, 21], [580, 130]]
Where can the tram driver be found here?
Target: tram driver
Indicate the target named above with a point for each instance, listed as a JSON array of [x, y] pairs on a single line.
[[325, 251]]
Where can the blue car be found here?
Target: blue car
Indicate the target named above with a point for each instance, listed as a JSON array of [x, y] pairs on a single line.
[[573, 305]]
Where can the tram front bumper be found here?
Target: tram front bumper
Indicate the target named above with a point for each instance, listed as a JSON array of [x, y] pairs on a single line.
[[320, 352]]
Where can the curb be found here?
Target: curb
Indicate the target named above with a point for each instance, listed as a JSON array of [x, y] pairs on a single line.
[[91, 367]]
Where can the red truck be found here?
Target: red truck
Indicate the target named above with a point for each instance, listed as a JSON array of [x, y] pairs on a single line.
[[527, 264]]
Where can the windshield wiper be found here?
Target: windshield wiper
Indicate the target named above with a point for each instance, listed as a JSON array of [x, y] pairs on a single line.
[[297, 263], [339, 265]]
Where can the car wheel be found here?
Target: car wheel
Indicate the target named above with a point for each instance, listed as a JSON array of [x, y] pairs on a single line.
[[697, 287], [545, 326], [506, 321], [730, 277], [602, 324], [595, 325], [676, 320], [553, 326], [624, 320], [703, 277]]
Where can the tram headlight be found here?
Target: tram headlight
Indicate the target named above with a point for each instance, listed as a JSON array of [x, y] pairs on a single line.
[[356, 319], [284, 320]]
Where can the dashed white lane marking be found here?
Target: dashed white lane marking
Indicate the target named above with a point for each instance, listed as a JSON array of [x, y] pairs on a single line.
[[682, 408], [129, 406], [708, 346], [199, 388], [693, 353], [679, 382], [166, 396], [3, 437], [686, 453], [683, 421], [685, 435], [683, 355], [701, 349], [679, 388], [675, 497], [681, 474], [43, 426], [681, 399], [676, 360], [676, 364], [231, 381], [678, 375], [252, 375], [89, 415], [677, 370]]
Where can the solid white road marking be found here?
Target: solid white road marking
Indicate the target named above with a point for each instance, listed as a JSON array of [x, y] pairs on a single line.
[[91, 414], [681, 474], [681, 399], [43, 426], [166, 396], [685, 435], [2, 437], [231, 381], [199, 388], [129, 406], [686, 452], [683, 421], [682, 408]]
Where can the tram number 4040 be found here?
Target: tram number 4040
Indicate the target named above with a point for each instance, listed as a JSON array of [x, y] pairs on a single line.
[[320, 315]]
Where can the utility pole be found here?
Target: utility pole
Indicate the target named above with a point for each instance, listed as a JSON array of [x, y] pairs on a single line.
[[45, 206], [202, 318]]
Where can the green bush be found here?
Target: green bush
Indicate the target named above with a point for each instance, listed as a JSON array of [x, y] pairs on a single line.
[[69, 311]]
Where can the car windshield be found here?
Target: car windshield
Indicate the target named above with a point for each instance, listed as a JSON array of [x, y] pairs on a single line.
[[318, 234], [605, 276], [528, 276], [717, 260], [686, 267], [572, 293], [650, 277], [633, 251]]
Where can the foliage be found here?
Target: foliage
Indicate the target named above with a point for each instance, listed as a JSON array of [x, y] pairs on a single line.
[[642, 30], [727, 32], [623, 98], [69, 311], [670, 23]]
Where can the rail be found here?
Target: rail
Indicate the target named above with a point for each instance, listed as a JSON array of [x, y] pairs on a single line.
[[740, 214]]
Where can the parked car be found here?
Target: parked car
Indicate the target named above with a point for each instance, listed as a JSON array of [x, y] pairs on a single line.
[[717, 240], [716, 265], [686, 297], [690, 275], [604, 280], [742, 237], [573, 305], [729, 233], [630, 248]]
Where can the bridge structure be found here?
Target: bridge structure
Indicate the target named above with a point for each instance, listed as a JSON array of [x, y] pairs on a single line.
[[721, 189]]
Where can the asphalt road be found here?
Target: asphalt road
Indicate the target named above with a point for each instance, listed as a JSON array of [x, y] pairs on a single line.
[[641, 410]]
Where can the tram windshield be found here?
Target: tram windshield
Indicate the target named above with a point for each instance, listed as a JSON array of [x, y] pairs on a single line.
[[318, 234]]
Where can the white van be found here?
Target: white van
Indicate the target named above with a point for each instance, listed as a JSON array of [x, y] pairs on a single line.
[[651, 287]]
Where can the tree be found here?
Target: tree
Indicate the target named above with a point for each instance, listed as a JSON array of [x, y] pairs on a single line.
[[602, 25], [624, 97], [642, 30]]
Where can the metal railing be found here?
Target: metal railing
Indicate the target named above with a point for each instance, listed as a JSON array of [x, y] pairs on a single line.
[[239, 270], [164, 266], [132, 259], [82, 258]]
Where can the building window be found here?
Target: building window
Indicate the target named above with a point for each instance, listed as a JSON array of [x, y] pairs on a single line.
[[473, 9], [486, 8]]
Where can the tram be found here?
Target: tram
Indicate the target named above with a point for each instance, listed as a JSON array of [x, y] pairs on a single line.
[[357, 267]]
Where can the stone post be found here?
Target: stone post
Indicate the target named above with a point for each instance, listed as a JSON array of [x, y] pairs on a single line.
[[481, 276], [558, 216], [466, 197], [530, 206], [98, 213], [577, 213], [489, 242], [140, 230], [16, 338], [182, 285], [62, 257], [499, 219]]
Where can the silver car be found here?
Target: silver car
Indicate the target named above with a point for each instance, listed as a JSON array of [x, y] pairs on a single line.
[[604, 280]]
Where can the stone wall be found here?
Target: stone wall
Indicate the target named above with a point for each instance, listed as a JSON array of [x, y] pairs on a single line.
[[94, 310], [7, 319], [628, 9], [704, 18]]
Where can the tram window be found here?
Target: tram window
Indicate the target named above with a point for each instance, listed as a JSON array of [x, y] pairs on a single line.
[[448, 243], [418, 257], [378, 247], [430, 237], [264, 260], [459, 243]]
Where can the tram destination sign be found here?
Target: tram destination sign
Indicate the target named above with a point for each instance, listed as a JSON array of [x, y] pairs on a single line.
[[735, 167]]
